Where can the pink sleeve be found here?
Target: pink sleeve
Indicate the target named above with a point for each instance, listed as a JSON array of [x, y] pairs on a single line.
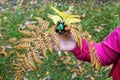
[[108, 50], [84, 55]]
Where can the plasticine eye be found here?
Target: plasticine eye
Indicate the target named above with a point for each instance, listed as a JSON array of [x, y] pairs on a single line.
[[60, 27]]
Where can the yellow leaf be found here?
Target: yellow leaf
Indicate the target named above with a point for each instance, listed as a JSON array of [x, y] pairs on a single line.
[[58, 12], [55, 18], [64, 14], [72, 16], [67, 18], [72, 20]]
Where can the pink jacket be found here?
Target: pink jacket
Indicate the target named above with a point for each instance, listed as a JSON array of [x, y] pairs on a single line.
[[108, 52]]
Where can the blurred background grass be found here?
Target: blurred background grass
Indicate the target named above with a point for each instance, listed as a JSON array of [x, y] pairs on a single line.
[[99, 18]]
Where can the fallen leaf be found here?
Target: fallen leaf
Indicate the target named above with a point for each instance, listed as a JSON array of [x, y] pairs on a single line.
[[46, 78], [62, 58], [59, 53], [33, 2], [5, 18], [73, 75], [25, 78], [1, 77], [80, 68], [83, 15], [1, 36], [13, 40], [38, 75], [90, 77], [1, 28], [39, 67], [3, 51], [97, 30], [74, 70], [108, 68], [21, 27], [8, 46], [100, 27], [55, 63], [104, 25], [67, 60], [30, 22]]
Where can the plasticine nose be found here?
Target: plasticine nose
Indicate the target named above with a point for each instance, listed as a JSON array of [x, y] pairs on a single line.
[[60, 27]]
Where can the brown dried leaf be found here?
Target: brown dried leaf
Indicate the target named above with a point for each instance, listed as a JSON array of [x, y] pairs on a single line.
[[67, 60], [13, 40], [100, 27], [66, 53], [90, 77], [73, 75], [74, 70], [44, 51], [26, 32], [46, 78], [1, 77], [3, 51]]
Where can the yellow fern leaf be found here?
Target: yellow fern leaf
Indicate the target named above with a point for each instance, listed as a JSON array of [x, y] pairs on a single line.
[[72, 20], [55, 18], [67, 18], [61, 14]]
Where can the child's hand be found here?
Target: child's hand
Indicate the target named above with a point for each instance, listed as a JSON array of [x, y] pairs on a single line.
[[67, 42]]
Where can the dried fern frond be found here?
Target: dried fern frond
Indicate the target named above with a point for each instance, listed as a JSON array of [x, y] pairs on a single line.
[[36, 58], [40, 21], [23, 45], [55, 38], [25, 32], [23, 40], [30, 60], [39, 40], [47, 39], [94, 58], [31, 27], [77, 37], [27, 66], [19, 72]]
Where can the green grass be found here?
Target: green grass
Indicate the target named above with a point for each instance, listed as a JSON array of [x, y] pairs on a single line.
[[96, 15]]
